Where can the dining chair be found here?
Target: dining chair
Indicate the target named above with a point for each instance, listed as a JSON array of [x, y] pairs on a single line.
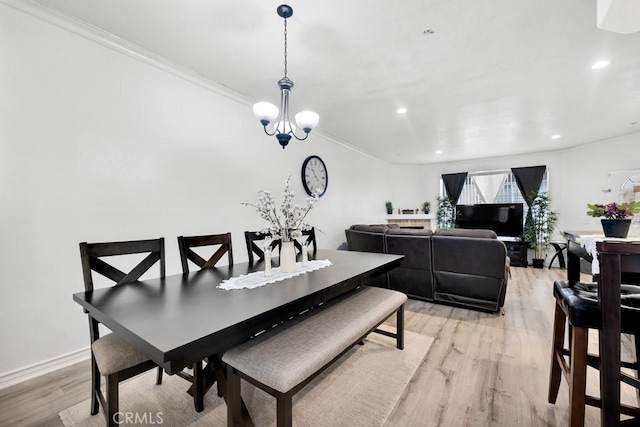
[[577, 305], [187, 254], [251, 237], [111, 355], [308, 239]]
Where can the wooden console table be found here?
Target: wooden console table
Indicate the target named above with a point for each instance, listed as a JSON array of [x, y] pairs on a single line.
[[516, 251]]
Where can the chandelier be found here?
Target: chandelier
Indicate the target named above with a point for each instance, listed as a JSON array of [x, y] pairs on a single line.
[[268, 113]]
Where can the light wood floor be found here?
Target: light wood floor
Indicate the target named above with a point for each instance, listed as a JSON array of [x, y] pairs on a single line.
[[482, 369]]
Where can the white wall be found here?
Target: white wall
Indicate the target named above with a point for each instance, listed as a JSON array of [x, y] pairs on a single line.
[[98, 146]]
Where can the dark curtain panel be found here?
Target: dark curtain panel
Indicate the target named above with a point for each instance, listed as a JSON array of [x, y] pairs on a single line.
[[453, 183], [528, 180]]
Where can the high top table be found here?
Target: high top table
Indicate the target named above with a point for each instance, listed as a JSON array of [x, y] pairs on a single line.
[[182, 319], [617, 259]]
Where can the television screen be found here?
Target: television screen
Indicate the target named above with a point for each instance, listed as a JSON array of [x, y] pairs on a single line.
[[506, 219]]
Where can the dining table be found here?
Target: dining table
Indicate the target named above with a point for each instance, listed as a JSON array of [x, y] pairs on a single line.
[[618, 261], [181, 320]]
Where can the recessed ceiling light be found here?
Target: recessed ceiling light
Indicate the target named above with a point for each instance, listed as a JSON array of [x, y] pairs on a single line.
[[556, 136], [600, 64], [438, 151], [401, 110]]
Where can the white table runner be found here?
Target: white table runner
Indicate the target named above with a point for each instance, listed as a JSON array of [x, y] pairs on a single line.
[[589, 244], [258, 278]]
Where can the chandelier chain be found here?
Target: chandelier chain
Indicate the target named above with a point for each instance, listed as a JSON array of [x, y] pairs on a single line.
[[270, 115], [285, 47]]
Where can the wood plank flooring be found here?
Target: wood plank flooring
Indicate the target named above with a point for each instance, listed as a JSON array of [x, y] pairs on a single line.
[[482, 369], [492, 370]]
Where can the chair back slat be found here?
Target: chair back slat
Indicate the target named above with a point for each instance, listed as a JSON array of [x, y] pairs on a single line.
[[251, 237], [187, 254], [141, 268], [107, 270], [91, 254], [195, 258], [215, 257], [123, 248], [308, 238]]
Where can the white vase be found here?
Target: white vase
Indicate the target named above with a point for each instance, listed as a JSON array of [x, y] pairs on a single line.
[[288, 258]]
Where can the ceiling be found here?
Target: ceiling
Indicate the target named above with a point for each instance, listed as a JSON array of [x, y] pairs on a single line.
[[478, 78]]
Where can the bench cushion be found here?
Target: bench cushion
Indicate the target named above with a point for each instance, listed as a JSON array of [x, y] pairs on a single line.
[[285, 356]]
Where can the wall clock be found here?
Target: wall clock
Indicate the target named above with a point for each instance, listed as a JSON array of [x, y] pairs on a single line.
[[314, 176]]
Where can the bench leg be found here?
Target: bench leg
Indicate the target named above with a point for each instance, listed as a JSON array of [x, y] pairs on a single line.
[[400, 327], [234, 416], [284, 410]]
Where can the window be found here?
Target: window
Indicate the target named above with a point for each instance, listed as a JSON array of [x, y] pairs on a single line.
[[494, 187]]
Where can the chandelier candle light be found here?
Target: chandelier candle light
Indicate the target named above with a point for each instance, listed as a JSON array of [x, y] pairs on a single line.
[[268, 113]]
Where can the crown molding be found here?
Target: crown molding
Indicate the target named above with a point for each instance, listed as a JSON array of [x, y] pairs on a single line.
[[104, 38]]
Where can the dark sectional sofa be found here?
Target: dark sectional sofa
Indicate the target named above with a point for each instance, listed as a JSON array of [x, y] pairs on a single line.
[[468, 268]]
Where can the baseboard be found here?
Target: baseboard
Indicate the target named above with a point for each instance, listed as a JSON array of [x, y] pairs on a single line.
[[19, 375]]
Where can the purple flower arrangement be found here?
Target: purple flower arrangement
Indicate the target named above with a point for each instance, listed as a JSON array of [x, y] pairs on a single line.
[[614, 210]]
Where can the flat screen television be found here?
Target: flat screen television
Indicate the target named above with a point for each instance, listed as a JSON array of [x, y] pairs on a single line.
[[506, 219]]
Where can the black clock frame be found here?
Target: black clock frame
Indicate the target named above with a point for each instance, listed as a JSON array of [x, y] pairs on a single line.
[[304, 181]]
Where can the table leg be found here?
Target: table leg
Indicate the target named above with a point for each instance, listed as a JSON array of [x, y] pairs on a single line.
[[198, 382], [609, 302], [203, 380], [573, 262]]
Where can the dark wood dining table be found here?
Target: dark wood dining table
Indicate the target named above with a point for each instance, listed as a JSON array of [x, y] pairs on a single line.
[[617, 259], [182, 319]]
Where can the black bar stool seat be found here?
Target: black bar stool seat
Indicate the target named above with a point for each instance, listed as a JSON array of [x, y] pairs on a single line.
[[578, 305]]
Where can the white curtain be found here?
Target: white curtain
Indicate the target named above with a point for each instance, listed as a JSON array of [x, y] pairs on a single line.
[[489, 185]]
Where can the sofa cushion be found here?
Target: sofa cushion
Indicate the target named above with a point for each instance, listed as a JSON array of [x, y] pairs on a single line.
[[466, 232], [413, 276], [368, 238], [409, 232], [473, 256], [374, 228]]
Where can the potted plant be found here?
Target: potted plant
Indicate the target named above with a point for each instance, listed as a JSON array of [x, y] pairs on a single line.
[[617, 217], [389, 207], [445, 213], [426, 206], [539, 226]]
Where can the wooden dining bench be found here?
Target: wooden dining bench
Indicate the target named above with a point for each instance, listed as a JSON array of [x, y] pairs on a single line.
[[284, 359]]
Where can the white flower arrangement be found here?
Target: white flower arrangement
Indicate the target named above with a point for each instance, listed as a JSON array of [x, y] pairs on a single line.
[[288, 223]]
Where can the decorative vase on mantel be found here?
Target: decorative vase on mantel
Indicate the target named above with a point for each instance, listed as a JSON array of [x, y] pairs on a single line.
[[288, 257], [616, 227]]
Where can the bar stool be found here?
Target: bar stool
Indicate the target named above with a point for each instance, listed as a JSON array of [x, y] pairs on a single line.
[[579, 305]]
